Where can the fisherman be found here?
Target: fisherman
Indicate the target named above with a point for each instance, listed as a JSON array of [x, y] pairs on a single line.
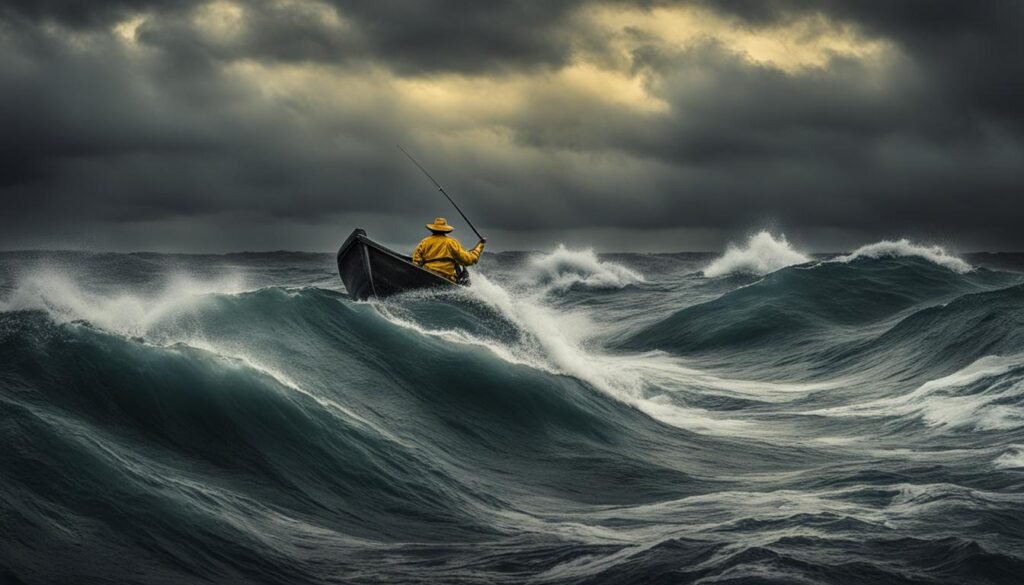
[[444, 255]]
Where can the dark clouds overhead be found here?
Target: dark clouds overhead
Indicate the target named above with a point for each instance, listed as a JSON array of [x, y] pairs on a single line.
[[258, 124]]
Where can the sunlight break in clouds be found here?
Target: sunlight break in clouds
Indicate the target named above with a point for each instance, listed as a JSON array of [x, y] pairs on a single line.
[[805, 42]]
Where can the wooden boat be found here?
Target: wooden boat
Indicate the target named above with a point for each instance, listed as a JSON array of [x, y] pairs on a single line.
[[371, 270]]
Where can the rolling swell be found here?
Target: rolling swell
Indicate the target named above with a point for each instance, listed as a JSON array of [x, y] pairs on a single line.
[[967, 328], [816, 309], [405, 437], [185, 407]]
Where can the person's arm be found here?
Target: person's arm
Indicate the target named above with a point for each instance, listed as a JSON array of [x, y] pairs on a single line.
[[417, 255], [467, 258]]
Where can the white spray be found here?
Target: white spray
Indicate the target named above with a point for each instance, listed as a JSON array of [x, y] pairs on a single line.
[[762, 254], [126, 313], [904, 248], [558, 341]]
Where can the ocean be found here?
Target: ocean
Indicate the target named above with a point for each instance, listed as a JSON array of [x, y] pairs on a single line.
[[753, 416]]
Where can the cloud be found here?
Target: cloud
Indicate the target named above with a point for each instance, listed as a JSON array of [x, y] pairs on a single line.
[[824, 117], [970, 50]]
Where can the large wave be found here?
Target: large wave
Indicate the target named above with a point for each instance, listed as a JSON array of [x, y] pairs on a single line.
[[181, 377], [904, 248], [129, 313], [850, 316], [560, 341], [564, 268], [797, 299], [762, 254]]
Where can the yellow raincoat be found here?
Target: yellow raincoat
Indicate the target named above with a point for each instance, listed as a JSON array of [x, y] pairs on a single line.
[[439, 253]]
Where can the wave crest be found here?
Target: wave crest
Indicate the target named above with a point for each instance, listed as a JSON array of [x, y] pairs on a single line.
[[564, 268], [129, 313], [762, 254], [905, 248]]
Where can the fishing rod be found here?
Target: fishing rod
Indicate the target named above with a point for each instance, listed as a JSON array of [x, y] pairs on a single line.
[[441, 189]]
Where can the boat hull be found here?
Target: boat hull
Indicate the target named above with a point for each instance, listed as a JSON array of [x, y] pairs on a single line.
[[370, 270]]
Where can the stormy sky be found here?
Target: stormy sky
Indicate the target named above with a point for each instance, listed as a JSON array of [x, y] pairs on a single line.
[[647, 125]]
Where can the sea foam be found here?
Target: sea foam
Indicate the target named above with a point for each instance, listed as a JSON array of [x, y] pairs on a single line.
[[126, 312], [1012, 459], [905, 248], [762, 254], [564, 268], [558, 341], [950, 401]]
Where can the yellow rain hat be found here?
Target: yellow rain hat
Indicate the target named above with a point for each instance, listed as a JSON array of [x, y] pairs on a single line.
[[440, 225]]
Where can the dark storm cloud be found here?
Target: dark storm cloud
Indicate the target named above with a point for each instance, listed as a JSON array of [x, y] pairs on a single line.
[[463, 35], [822, 142], [411, 37], [75, 13], [974, 51], [191, 122]]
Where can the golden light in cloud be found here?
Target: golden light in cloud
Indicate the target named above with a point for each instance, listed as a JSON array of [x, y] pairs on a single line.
[[459, 103], [458, 96], [447, 101], [502, 96], [126, 29], [505, 95], [220, 20], [806, 42], [319, 89], [613, 86]]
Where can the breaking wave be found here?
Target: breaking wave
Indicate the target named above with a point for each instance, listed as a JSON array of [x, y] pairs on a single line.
[[128, 313], [562, 269], [762, 254], [904, 248]]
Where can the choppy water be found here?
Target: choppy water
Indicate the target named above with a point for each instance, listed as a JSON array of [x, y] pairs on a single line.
[[758, 417]]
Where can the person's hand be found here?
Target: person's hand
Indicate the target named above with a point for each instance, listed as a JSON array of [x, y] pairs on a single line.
[[483, 240]]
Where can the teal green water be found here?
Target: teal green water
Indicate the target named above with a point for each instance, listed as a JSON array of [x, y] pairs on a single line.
[[568, 419]]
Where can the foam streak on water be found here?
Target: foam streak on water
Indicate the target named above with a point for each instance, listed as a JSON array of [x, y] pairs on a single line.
[[956, 400]]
